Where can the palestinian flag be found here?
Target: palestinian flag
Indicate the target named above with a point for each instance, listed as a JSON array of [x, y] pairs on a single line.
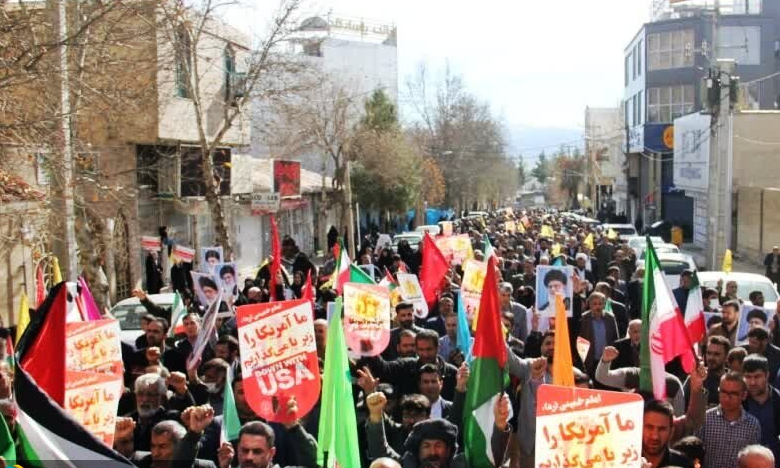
[[231, 424], [48, 435], [486, 384], [694, 311], [488, 250], [664, 336]]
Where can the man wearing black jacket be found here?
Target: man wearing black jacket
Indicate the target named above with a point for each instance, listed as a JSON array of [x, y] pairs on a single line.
[[763, 401]]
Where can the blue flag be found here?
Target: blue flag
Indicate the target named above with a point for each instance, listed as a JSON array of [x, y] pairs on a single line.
[[464, 336], [558, 262]]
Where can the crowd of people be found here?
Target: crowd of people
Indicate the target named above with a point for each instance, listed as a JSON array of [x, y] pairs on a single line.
[[409, 400]]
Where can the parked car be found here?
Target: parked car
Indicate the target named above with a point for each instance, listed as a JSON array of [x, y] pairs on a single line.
[[638, 243], [413, 238], [129, 312], [660, 248], [623, 230], [746, 283], [672, 265]]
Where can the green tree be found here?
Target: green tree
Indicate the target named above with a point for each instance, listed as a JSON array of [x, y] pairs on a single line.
[[571, 170], [542, 170], [381, 114], [520, 172]]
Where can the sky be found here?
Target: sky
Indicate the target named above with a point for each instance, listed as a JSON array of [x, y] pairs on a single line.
[[538, 64]]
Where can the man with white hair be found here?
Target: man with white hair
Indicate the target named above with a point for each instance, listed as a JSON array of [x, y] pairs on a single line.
[[150, 391], [755, 456], [582, 268], [520, 313]]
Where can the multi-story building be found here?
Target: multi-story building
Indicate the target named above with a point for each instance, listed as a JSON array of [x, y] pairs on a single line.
[[665, 64], [604, 151]]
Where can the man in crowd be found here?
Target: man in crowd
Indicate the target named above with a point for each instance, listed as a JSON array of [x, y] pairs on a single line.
[[763, 400], [729, 325], [599, 328], [519, 313], [715, 356], [657, 431], [628, 347], [404, 315], [728, 428]]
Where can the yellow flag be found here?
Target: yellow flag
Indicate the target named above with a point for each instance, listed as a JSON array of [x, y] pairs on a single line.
[[588, 242], [562, 372], [521, 228], [547, 232], [611, 234], [555, 249], [24, 317], [55, 271], [727, 261]]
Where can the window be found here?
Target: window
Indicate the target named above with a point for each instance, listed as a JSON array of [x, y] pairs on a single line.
[[669, 103], [625, 113], [627, 76], [747, 7], [633, 64], [670, 49], [183, 63], [639, 106], [741, 43], [230, 69], [192, 184], [639, 53]]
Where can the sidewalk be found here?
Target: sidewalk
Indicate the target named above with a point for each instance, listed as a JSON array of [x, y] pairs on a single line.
[[739, 264]]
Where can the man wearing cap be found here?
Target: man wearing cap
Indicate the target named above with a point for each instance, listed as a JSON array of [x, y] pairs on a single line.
[[555, 281], [581, 268], [772, 264]]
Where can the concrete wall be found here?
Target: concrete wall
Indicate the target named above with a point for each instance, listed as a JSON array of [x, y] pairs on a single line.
[[755, 157], [758, 221]]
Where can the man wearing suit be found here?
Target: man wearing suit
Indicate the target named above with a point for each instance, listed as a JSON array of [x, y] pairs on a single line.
[[599, 328], [431, 384], [581, 268], [628, 347], [618, 308], [681, 292]]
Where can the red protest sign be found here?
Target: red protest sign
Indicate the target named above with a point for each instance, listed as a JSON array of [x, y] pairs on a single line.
[[366, 318], [92, 399], [94, 346], [287, 178], [583, 427], [278, 358]]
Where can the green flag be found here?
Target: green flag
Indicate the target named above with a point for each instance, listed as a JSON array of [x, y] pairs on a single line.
[[488, 247], [337, 440], [7, 447], [177, 314], [357, 275], [231, 425]]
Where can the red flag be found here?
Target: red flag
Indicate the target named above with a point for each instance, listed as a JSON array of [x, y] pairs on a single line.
[[40, 291], [308, 293], [276, 253], [489, 337], [43, 344], [434, 267]]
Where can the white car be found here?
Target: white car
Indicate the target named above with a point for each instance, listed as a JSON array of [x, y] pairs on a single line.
[[129, 312], [624, 231], [672, 265], [660, 249], [638, 243], [413, 238], [746, 283]]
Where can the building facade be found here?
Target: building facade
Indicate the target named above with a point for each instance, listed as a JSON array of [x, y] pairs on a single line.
[[604, 152], [665, 65]]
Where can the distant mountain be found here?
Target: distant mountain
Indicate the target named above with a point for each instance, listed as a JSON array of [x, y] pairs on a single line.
[[530, 141]]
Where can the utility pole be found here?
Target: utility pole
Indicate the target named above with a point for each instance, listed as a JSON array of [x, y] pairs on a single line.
[[719, 196], [64, 244]]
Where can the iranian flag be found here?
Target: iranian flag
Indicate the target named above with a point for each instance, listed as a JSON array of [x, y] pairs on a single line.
[[177, 314], [342, 272], [664, 336], [694, 311], [486, 384]]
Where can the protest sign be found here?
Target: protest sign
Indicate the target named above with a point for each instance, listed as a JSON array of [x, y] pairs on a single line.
[[94, 346], [206, 287], [474, 273], [366, 318], [456, 249], [287, 178], [182, 254], [207, 333], [278, 358], [151, 243], [411, 291], [92, 399], [510, 227], [751, 316], [582, 427], [210, 256], [225, 273], [446, 228], [552, 280]]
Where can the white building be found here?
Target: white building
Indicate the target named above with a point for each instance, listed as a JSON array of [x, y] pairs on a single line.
[[604, 150]]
